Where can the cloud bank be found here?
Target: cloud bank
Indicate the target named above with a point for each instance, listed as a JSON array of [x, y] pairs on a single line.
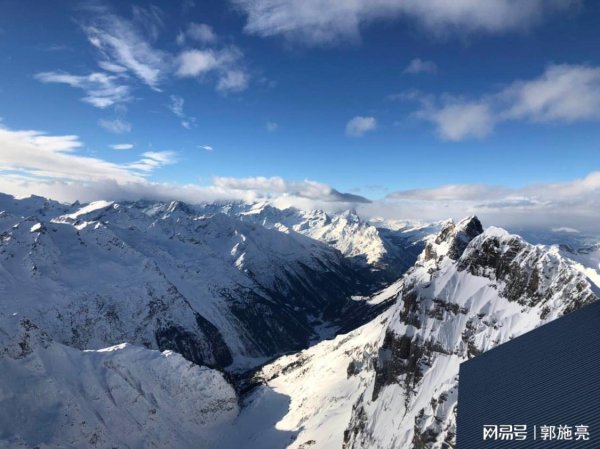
[[32, 162], [318, 22], [574, 204]]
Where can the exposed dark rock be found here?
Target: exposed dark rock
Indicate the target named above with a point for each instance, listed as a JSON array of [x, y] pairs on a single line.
[[356, 426], [216, 344], [397, 356]]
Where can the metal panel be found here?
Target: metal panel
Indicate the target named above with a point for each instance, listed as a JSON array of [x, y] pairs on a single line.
[[547, 377]]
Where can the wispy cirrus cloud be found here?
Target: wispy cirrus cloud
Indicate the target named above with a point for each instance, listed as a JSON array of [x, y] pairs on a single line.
[[151, 160], [127, 44], [563, 93], [150, 19], [176, 107], [101, 90], [127, 55], [318, 22]]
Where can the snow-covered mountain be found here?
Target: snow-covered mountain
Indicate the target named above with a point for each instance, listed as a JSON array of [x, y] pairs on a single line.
[[393, 382], [220, 291], [131, 324], [584, 249], [386, 249]]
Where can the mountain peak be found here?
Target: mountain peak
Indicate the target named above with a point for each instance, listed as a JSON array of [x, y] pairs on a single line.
[[453, 239], [471, 226]]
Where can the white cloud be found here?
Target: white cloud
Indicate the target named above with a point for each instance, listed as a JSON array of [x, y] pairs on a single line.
[[206, 147], [271, 126], [329, 21], [32, 162], [573, 204], [457, 120], [562, 94], [452, 192], [359, 125], [38, 155], [193, 63], [35, 163], [116, 126], [226, 65], [233, 81], [122, 146], [126, 50], [176, 105], [102, 90], [201, 32], [418, 65], [180, 39], [276, 185], [111, 67]]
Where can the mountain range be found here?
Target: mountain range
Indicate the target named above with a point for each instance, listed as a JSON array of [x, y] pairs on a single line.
[[223, 325]]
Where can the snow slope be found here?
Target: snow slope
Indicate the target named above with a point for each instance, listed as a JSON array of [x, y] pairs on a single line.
[[54, 396]]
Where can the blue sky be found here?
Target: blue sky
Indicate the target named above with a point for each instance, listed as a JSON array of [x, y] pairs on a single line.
[[388, 100]]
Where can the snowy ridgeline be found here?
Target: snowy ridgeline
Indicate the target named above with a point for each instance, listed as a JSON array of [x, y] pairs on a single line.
[[393, 382], [166, 276]]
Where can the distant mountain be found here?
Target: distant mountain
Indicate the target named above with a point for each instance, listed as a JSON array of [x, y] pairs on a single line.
[[384, 249]]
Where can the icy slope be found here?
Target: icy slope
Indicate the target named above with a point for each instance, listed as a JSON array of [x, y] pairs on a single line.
[[54, 396], [220, 291], [392, 383]]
